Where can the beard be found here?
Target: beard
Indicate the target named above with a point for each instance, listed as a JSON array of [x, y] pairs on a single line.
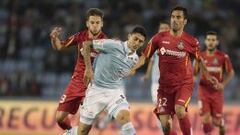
[[211, 49], [94, 33]]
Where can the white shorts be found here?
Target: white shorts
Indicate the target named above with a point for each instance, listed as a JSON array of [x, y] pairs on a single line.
[[154, 88], [99, 99]]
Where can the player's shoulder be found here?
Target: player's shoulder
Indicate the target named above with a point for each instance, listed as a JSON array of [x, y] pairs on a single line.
[[102, 35], [82, 33], [161, 34], [203, 53], [222, 54], [190, 39]]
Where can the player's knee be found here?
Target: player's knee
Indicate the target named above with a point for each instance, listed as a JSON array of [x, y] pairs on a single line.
[[217, 122], [206, 118], [123, 117], [180, 111], [60, 118], [165, 121]]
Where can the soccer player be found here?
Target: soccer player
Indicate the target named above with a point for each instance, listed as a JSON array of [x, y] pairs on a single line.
[[152, 69], [176, 48], [211, 95], [105, 91], [75, 91]]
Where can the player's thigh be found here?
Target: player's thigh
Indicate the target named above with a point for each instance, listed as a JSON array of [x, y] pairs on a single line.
[[60, 115], [165, 103], [123, 117], [183, 95], [217, 107], [93, 104], [117, 104], [165, 120]]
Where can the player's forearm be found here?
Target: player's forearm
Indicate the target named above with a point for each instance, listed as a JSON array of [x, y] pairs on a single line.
[[56, 43], [140, 62], [149, 69], [203, 68], [86, 54], [228, 78]]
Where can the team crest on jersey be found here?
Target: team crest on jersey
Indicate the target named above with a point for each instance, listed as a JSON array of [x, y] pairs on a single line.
[[180, 45], [215, 61]]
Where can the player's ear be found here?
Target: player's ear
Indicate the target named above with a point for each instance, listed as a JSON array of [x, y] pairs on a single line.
[[129, 35], [87, 23], [185, 21]]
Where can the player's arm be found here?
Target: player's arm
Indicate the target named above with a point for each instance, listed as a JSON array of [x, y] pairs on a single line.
[[149, 70], [56, 43], [229, 74], [88, 73], [196, 69]]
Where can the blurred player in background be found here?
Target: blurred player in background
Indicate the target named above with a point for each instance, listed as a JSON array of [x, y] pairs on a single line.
[[75, 91], [176, 48], [210, 95], [105, 91], [152, 69]]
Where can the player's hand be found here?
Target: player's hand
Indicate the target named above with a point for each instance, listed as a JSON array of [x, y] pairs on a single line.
[[219, 86], [131, 72], [88, 76], [213, 80], [55, 32], [143, 78]]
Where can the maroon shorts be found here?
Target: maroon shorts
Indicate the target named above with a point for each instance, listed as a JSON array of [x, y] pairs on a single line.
[[72, 97], [210, 101], [166, 101]]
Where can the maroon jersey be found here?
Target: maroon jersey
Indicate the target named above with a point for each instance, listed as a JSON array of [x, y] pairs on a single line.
[[174, 58], [77, 85], [216, 64]]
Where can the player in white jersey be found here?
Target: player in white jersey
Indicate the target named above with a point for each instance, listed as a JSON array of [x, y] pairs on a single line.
[[152, 69], [105, 89]]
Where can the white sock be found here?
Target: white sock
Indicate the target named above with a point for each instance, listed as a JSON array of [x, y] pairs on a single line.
[[128, 129]]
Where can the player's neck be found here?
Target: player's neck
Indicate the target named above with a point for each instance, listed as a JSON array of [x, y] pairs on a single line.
[[93, 36], [176, 33], [211, 52]]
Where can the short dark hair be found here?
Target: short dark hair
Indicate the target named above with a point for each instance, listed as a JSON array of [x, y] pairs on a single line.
[[94, 12], [211, 33], [185, 13], [163, 22], [139, 29]]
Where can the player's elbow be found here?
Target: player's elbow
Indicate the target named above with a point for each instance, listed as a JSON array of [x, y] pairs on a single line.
[[232, 74]]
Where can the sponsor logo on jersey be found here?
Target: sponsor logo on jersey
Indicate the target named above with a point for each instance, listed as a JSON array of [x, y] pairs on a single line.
[[165, 42], [180, 54], [214, 69]]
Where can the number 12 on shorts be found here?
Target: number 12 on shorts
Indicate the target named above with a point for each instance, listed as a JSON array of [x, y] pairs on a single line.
[[162, 102]]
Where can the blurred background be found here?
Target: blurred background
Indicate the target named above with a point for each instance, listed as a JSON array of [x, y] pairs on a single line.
[[31, 70]]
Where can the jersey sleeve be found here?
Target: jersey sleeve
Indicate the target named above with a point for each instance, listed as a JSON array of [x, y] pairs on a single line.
[[195, 51], [151, 47], [105, 45], [72, 40], [227, 64]]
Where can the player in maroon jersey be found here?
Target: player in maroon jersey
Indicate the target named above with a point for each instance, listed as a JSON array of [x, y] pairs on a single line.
[[211, 95], [176, 48], [75, 91]]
